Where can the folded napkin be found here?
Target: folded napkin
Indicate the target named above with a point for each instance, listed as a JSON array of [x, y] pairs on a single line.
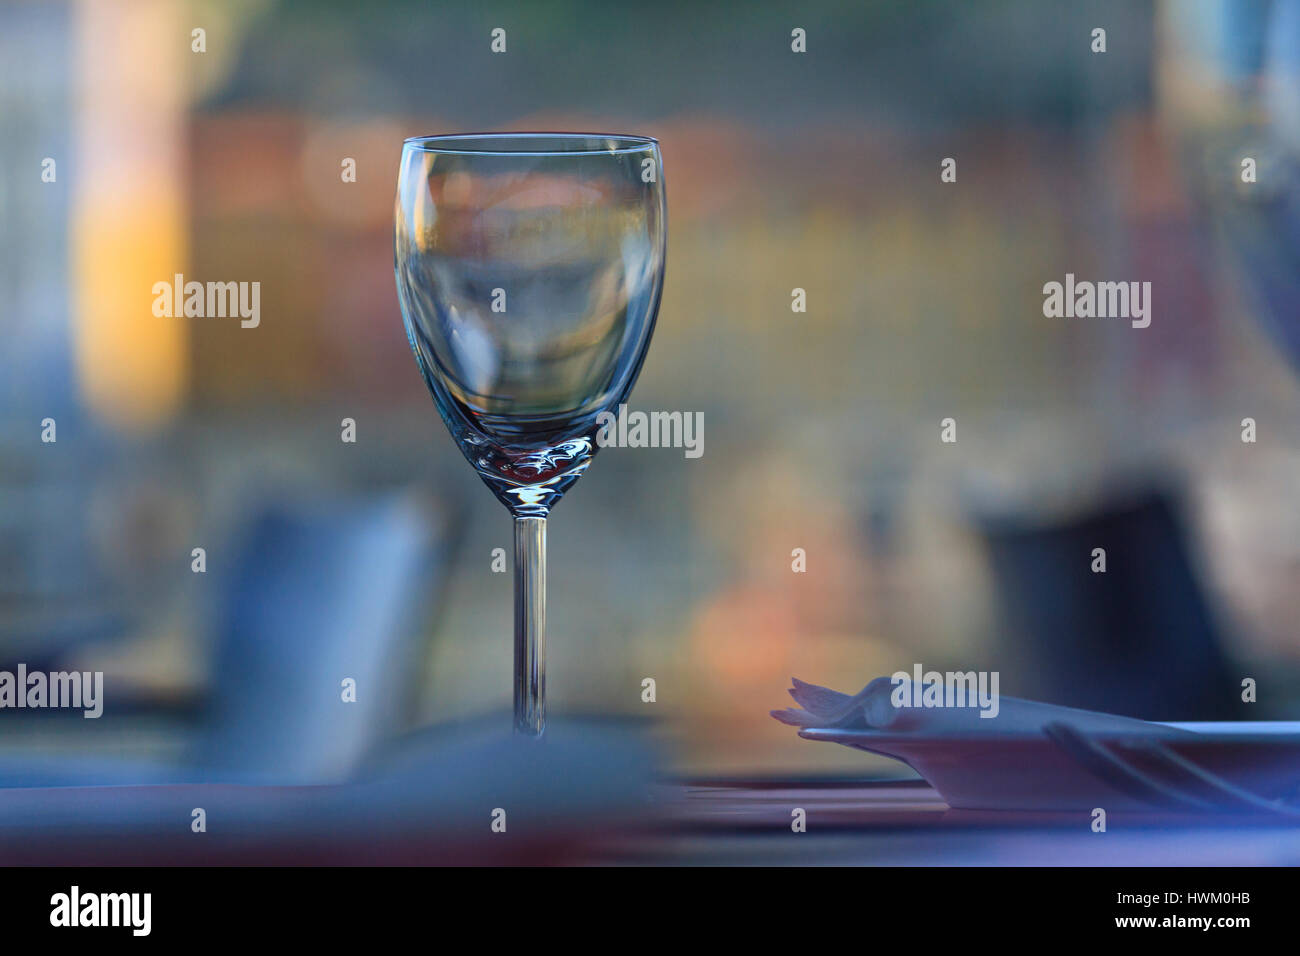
[[875, 708]]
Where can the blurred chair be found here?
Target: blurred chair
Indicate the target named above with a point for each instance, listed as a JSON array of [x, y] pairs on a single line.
[[322, 593], [54, 597], [1139, 639], [1255, 51]]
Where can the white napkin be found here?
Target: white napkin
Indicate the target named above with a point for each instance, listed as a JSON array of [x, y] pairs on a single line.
[[873, 708]]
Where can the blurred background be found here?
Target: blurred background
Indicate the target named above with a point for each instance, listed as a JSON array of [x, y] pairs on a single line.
[[816, 170]]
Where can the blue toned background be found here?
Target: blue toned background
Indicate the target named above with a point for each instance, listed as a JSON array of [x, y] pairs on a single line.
[[817, 171]]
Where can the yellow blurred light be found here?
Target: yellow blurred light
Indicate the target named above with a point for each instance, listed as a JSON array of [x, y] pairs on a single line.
[[128, 215]]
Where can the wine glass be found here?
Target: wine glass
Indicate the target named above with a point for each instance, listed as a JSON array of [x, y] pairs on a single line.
[[529, 268]]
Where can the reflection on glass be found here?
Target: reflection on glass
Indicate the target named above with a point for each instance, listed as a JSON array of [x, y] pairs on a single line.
[[529, 268]]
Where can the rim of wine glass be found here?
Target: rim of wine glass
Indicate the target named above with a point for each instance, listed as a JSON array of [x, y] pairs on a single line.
[[446, 143]]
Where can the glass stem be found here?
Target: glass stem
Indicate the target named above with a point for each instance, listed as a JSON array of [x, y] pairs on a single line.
[[530, 626]]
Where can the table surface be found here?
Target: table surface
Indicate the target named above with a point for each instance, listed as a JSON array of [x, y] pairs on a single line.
[[883, 823], [906, 823]]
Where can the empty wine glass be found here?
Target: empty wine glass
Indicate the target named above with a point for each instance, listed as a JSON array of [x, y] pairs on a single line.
[[529, 268]]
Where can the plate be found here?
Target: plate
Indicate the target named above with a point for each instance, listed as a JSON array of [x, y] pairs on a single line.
[[1028, 771]]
